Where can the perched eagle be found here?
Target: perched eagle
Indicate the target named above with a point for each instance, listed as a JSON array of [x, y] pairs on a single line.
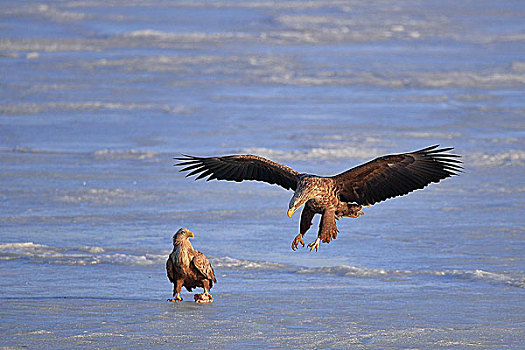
[[333, 196], [188, 267]]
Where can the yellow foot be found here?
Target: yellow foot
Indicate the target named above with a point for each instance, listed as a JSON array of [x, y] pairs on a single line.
[[177, 298], [314, 244], [298, 239]]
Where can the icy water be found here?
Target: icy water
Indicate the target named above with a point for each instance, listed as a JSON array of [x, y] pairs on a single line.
[[96, 97]]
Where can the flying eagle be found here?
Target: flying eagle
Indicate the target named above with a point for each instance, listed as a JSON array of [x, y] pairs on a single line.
[[333, 196], [188, 267]]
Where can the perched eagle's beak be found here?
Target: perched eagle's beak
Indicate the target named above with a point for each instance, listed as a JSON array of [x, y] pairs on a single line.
[[190, 234], [290, 212]]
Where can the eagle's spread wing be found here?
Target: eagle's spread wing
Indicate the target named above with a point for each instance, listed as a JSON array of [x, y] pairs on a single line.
[[239, 168], [202, 264], [395, 175]]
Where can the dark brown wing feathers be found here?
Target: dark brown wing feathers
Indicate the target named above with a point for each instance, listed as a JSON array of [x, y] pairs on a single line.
[[170, 270], [202, 264], [382, 178], [239, 168], [395, 175]]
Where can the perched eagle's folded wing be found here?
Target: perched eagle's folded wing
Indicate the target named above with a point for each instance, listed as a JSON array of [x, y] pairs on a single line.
[[170, 270], [395, 175], [202, 264], [239, 168]]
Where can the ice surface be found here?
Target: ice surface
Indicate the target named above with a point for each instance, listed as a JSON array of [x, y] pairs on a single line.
[[98, 97]]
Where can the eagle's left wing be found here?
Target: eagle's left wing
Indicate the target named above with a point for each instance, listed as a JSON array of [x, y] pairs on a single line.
[[395, 175], [202, 264]]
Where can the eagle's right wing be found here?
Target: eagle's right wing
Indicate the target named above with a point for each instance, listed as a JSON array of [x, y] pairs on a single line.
[[239, 168], [170, 270]]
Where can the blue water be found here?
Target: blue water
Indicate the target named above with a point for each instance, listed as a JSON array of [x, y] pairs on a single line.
[[97, 97]]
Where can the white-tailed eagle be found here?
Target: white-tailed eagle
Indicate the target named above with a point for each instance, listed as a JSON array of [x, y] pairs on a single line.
[[187, 267], [333, 196]]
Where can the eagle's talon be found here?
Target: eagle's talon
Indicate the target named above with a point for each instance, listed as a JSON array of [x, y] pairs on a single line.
[[314, 244], [176, 299], [298, 239]]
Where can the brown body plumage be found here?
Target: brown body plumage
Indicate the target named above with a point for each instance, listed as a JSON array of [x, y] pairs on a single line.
[[187, 267], [335, 196]]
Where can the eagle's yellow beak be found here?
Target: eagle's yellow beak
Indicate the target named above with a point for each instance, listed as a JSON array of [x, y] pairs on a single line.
[[191, 235], [290, 212]]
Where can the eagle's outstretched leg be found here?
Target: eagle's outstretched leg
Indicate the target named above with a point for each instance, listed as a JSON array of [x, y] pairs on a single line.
[[306, 221], [327, 229], [177, 286], [206, 287]]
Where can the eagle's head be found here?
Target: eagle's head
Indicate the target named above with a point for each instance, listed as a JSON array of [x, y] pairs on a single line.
[[183, 234], [309, 187]]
